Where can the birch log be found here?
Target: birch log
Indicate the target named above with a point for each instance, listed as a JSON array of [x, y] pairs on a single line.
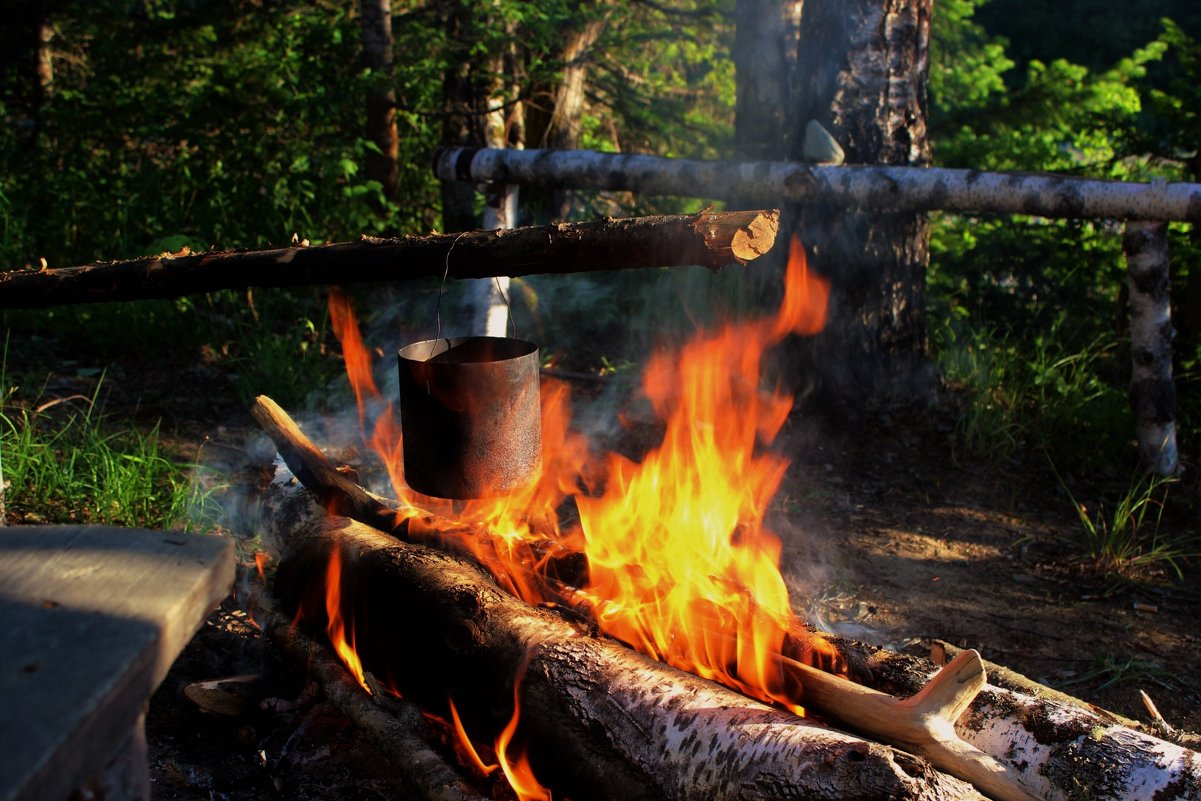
[[603, 722], [1152, 391], [1068, 753], [712, 239], [763, 182], [1065, 752]]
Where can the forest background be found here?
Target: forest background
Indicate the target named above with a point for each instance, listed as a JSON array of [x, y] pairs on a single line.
[[134, 128]]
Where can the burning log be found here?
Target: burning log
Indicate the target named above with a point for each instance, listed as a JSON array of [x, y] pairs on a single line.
[[600, 719], [400, 733], [897, 188], [1056, 745], [712, 239]]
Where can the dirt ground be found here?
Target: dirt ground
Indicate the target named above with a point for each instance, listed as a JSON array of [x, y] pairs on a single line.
[[887, 540]]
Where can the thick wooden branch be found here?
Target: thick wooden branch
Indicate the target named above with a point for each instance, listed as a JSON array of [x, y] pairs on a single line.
[[400, 734], [711, 239], [1055, 744], [602, 722], [898, 188]]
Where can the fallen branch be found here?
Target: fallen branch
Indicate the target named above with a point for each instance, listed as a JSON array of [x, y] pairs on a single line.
[[712, 239], [1055, 744], [898, 188], [400, 736]]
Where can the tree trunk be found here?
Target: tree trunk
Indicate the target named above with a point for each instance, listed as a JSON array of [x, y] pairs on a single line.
[[711, 238], [555, 114], [861, 74], [466, 87], [376, 19], [1152, 390], [765, 55]]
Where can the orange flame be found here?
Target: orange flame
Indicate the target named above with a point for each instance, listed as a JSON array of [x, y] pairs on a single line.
[[514, 760], [676, 546], [260, 562], [681, 566], [341, 637], [473, 756]]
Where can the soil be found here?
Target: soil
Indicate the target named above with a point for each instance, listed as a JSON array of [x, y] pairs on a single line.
[[887, 539]]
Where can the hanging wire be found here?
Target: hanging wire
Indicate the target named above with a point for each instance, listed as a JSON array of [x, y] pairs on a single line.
[[508, 306], [441, 291]]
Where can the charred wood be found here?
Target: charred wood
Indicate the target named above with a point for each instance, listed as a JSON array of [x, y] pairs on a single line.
[[1053, 743], [712, 239], [400, 734], [599, 719]]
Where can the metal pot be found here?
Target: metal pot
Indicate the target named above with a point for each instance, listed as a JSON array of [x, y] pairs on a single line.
[[470, 416]]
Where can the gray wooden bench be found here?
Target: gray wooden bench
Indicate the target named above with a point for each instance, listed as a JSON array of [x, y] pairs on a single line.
[[91, 618]]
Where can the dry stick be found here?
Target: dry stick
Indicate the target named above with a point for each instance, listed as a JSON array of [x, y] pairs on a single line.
[[897, 188], [401, 737], [712, 239], [1060, 744]]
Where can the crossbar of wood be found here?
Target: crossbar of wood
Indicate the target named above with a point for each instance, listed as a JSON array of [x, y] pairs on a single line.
[[711, 239], [866, 186]]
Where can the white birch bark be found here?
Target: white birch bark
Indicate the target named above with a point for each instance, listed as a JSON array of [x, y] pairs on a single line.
[[1152, 391], [896, 188]]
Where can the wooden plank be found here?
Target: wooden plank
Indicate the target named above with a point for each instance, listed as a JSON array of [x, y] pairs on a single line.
[[91, 618]]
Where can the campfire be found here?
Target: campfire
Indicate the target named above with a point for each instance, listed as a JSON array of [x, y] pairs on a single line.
[[529, 664]]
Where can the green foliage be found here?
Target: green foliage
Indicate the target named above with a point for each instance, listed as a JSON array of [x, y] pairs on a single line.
[[1125, 541], [1049, 393], [67, 462]]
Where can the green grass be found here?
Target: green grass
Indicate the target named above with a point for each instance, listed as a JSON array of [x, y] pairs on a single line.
[[1125, 539], [67, 462], [1035, 394]]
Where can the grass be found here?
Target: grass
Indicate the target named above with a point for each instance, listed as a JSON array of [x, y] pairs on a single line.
[[1034, 394], [67, 462], [1126, 540]]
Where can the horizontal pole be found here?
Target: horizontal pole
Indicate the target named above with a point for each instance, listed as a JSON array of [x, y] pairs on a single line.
[[710, 239], [774, 183]]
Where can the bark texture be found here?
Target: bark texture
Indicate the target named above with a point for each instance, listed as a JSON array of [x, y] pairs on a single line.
[[375, 18], [765, 53], [1152, 390], [710, 238], [466, 89], [861, 74], [898, 188], [601, 721], [1067, 753]]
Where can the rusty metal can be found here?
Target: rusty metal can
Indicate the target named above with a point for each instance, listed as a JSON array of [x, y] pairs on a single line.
[[470, 416]]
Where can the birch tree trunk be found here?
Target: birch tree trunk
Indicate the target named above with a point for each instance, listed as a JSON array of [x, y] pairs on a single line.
[[1152, 390], [862, 75]]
